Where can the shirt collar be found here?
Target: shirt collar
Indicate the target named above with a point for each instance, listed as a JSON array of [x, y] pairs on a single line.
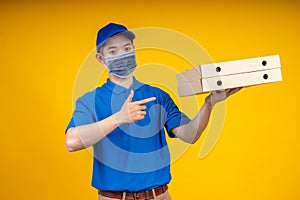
[[118, 89]]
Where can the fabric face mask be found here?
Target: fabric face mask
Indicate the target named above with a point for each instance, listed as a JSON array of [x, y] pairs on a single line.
[[121, 65]]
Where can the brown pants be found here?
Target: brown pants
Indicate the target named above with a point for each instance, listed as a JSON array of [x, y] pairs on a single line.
[[164, 196]]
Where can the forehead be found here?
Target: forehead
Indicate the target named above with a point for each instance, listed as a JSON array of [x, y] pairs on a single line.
[[117, 40]]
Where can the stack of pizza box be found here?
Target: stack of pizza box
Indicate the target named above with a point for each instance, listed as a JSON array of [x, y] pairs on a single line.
[[238, 73]]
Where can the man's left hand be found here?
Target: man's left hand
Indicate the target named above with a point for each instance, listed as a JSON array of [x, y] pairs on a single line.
[[217, 96]]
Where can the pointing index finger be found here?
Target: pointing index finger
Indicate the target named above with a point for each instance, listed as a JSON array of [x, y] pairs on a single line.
[[143, 101]]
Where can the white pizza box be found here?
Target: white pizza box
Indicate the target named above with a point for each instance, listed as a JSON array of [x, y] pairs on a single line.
[[230, 74], [240, 66]]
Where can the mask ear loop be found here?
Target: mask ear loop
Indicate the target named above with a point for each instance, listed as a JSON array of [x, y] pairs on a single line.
[[105, 64], [100, 57]]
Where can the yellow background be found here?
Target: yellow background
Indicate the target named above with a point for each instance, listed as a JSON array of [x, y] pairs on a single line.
[[43, 45]]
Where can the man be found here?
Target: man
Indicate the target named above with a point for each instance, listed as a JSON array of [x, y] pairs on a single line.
[[124, 121]]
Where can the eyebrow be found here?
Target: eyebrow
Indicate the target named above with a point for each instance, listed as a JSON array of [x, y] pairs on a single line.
[[114, 47], [128, 44], [111, 47]]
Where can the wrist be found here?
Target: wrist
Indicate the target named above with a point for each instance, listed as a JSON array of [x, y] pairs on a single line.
[[117, 119], [208, 102]]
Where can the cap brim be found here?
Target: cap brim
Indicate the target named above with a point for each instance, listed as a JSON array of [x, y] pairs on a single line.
[[130, 35]]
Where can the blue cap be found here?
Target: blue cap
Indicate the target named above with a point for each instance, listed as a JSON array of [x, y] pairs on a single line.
[[110, 30]]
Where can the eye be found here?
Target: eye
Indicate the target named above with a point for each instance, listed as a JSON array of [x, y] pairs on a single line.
[[112, 52], [127, 48]]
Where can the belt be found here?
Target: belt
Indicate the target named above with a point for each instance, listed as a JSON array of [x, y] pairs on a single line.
[[142, 195]]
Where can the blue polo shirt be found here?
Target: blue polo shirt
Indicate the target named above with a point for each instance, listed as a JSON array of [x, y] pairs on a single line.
[[134, 156]]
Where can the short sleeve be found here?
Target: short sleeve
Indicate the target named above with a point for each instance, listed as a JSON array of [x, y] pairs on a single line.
[[83, 113], [174, 117]]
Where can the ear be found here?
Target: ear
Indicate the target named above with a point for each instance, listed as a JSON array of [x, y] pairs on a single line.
[[100, 58]]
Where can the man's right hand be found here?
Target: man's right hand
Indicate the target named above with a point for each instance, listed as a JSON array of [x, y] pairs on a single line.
[[132, 111]]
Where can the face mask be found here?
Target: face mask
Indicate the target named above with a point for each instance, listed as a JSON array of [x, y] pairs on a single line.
[[121, 65]]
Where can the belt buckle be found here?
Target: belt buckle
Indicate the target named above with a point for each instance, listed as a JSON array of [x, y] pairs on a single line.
[[135, 196], [147, 194]]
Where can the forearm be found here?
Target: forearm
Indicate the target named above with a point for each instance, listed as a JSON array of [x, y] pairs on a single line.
[[84, 136], [87, 135], [192, 131]]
